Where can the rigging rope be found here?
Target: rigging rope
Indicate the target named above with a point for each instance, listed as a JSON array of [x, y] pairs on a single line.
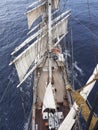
[[91, 28], [10, 77], [72, 54], [78, 90], [77, 20], [23, 106]]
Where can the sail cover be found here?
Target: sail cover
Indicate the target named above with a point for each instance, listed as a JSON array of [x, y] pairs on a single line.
[[48, 101], [30, 55]]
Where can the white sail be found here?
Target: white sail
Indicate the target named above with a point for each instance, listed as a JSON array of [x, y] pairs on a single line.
[[29, 39], [48, 101], [55, 4], [58, 40], [31, 71], [60, 28], [64, 14], [33, 14], [84, 93], [41, 23], [37, 49], [28, 56], [36, 27], [39, 10]]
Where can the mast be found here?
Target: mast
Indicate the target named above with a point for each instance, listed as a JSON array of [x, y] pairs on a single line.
[[50, 39]]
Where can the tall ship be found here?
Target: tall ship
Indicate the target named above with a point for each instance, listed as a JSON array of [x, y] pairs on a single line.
[[56, 105]]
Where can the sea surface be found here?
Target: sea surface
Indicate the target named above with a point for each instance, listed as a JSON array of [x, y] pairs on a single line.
[[15, 102]]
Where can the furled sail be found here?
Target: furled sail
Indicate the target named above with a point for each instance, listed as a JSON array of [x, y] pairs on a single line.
[[84, 93], [49, 101], [30, 55]]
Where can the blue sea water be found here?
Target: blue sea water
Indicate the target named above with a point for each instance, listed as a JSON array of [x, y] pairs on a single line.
[[14, 105]]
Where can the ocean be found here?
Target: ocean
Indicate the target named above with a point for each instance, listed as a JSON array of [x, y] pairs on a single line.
[[15, 103]]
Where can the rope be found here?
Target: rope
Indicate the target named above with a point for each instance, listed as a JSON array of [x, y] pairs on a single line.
[[23, 106], [95, 79], [72, 54], [91, 28], [77, 20], [10, 77], [85, 85]]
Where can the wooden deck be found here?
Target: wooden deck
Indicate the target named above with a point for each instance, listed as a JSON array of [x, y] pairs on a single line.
[[60, 94], [58, 85]]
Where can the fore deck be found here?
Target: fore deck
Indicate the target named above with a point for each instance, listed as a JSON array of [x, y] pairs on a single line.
[[40, 117]]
